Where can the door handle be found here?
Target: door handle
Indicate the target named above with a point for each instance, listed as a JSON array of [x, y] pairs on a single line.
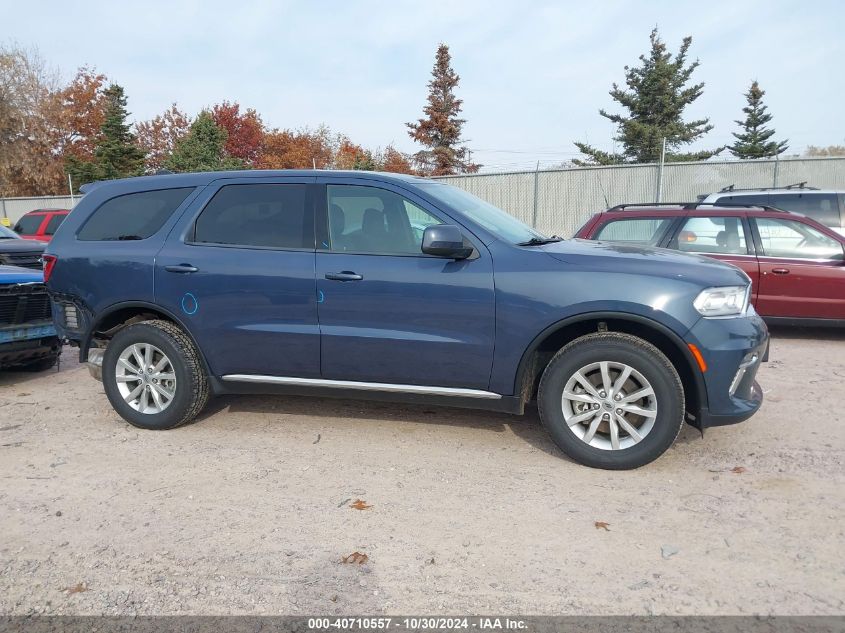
[[780, 271], [346, 275], [181, 268]]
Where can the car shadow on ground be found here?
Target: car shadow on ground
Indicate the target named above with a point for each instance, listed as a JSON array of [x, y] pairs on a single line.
[[527, 427]]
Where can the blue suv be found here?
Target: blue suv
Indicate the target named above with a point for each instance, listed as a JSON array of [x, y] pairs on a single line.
[[353, 284]]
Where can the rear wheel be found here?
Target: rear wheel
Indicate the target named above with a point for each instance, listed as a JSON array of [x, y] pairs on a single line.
[[611, 400], [153, 375]]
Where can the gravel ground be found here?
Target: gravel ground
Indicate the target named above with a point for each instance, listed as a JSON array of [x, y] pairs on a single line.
[[250, 509]]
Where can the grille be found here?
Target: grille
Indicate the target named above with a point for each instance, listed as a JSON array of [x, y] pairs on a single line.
[[26, 260], [24, 303]]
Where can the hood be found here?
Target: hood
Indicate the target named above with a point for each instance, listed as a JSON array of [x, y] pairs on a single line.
[[14, 245], [644, 260], [17, 275]]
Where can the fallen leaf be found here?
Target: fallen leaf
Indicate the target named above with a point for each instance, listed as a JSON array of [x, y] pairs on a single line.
[[333, 598], [77, 588], [601, 525], [360, 504], [23, 394], [738, 470], [317, 440], [355, 557]]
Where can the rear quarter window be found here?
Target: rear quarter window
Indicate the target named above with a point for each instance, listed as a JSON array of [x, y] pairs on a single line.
[[749, 199], [822, 207], [645, 231], [134, 216]]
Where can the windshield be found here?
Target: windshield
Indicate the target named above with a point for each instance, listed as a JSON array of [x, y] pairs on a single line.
[[7, 234], [499, 223]]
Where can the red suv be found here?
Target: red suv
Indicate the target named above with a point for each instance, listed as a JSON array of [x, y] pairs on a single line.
[[40, 224], [796, 265]]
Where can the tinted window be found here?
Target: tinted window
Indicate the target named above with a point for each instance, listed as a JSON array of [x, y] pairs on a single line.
[[647, 231], [753, 198], [54, 223], [371, 220], [789, 238], [269, 216], [723, 235], [822, 207], [29, 224], [135, 216]]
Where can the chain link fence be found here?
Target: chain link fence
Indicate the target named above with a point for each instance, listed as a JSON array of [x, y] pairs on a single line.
[[560, 201], [11, 209]]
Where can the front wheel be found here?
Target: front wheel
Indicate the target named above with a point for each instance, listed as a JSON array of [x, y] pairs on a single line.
[[611, 400], [153, 375]]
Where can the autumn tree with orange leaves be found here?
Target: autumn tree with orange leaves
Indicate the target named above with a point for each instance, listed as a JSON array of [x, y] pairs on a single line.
[[158, 137], [300, 149], [27, 163], [78, 114], [48, 130], [244, 131], [391, 159], [440, 129]]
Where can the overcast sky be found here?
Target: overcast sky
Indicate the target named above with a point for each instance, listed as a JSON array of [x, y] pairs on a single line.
[[533, 74]]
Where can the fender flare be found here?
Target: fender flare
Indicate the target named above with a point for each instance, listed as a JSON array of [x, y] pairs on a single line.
[[85, 343], [523, 367]]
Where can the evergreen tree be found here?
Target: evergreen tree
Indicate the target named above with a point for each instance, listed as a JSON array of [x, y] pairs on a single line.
[[753, 141], [364, 162], [116, 153], [656, 96], [203, 148], [440, 130]]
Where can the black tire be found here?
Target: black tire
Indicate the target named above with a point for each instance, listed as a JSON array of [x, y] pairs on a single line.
[[643, 357], [42, 364], [192, 390]]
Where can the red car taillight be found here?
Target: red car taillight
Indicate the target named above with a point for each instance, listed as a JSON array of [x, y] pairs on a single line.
[[49, 264]]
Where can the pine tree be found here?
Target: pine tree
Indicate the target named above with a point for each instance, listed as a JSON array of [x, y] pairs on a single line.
[[753, 141], [440, 130], [203, 148], [116, 153], [656, 96]]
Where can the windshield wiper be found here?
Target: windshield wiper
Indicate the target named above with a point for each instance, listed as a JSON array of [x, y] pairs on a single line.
[[129, 237], [538, 241]]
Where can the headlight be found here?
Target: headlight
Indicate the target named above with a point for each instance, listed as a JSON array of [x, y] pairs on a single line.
[[723, 301]]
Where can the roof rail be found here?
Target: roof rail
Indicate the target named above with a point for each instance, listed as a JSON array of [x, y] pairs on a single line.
[[691, 206], [797, 185]]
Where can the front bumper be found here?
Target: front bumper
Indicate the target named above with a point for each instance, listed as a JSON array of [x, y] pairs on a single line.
[[29, 350], [733, 350]]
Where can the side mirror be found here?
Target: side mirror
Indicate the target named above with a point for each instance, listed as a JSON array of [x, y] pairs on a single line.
[[445, 240]]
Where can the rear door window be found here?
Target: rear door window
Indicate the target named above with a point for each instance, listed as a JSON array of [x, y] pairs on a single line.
[[135, 216], [29, 224], [644, 231], [795, 240], [716, 235], [822, 207], [260, 216]]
